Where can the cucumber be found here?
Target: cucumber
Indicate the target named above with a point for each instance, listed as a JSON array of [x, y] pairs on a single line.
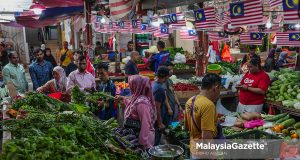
[[282, 119], [297, 125], [288, 123], [276, 117]]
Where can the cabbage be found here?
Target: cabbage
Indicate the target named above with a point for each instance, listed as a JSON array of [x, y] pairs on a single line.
[[289, 103], [297, 105]]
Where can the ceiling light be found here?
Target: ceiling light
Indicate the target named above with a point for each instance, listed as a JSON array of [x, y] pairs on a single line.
[[268, 25], [37, 8], [297, 26], [103, 20]]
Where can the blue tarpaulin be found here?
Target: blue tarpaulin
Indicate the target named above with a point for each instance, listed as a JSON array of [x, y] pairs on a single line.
[[60, 11]]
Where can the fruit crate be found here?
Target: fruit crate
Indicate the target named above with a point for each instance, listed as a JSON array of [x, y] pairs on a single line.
[[274, 142]]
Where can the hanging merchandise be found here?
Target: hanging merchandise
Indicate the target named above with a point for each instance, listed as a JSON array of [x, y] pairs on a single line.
[[213, 53], [226, 57]]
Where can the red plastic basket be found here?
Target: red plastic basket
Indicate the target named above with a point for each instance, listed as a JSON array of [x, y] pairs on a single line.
[[56, 95]]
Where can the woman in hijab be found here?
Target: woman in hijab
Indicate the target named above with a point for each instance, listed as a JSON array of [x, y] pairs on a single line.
[[270, 61], [58, 84], [282, 59], [140, 108], [49, 57]]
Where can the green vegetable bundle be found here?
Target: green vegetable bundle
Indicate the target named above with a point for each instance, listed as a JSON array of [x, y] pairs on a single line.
[[51, 134]]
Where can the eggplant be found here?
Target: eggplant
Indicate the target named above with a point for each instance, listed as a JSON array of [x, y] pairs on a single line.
[[120, 142], [126, 131], [130, 137], [134, 141]]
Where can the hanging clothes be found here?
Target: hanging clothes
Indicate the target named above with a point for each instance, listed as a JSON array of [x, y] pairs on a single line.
[[211, 54], [226, 53], [216, 47]]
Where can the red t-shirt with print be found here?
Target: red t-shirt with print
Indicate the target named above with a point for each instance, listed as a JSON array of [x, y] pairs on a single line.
[[258, 80]]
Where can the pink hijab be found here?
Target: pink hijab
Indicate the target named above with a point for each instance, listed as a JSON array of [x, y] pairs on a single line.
[[141, 86]]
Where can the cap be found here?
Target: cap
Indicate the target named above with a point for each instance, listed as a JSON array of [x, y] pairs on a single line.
[[163, 71], [152, 49]]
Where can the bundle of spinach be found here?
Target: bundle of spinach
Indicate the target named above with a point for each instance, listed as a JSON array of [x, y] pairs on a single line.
[[41, 102], [77, 96], [93, 99], [55, 135]]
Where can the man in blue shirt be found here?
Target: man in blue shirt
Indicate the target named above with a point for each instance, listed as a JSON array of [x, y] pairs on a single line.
[[106, 85], [131, 67], [162, 58], [163, 117], [40, 70]]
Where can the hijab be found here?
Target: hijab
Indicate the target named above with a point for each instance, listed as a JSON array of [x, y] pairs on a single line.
[[141, 86], [61, 84], [272, 53]]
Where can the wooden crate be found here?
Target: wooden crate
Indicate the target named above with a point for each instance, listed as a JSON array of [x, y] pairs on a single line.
[[186, 95]]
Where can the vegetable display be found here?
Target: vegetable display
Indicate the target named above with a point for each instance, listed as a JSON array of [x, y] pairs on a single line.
[[181, 66], [173, 51], [286, 89], [185, 87], [231, 68], [178, 132], [49, 132]]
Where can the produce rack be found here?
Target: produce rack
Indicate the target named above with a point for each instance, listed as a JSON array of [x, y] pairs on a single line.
[[279, 106]]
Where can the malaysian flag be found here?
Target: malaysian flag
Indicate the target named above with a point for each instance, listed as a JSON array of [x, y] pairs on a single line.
[[123, 26], [100, 27], [261, 28], [189, 35], [112, 26], [218, 36], [163, 32], [251, 38], [288, 39], [136, 26], [150, 27], [180, 21], [205, 18], [275, 3], [291, 12], [120, 8], [222, 19], [249, 12]]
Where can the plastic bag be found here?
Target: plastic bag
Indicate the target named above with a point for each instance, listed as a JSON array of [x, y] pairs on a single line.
[[179, 58]]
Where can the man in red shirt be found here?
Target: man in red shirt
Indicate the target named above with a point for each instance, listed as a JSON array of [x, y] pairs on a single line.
[[253, 87]]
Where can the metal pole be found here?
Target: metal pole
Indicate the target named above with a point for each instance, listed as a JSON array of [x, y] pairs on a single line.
[[268, 42]]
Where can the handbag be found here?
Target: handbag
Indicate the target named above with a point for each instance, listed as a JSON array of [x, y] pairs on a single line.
[[63, 57]]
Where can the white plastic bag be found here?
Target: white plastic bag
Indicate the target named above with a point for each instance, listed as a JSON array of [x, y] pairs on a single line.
[[125, 60], [179, 58], [221, 109]]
